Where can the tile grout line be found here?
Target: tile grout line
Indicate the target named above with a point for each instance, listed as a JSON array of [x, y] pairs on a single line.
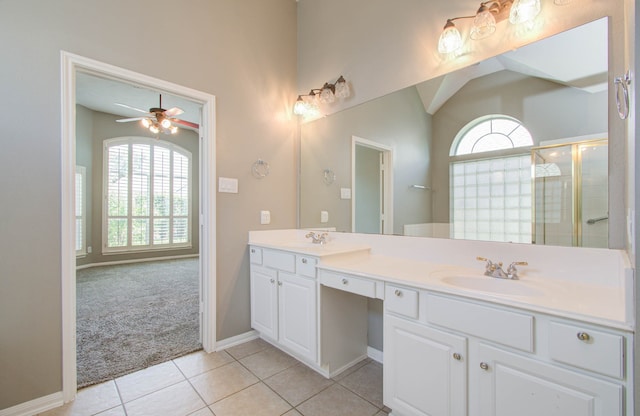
[[193, 387]]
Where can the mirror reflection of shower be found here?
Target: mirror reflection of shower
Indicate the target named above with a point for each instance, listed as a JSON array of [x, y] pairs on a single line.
[[570, 188]]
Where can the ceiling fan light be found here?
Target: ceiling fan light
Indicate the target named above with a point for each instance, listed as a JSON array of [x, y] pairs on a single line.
[[450, 39], [165, 123], [173, 129], [484, 24], [154, 129], [146, 123], [523, 11]]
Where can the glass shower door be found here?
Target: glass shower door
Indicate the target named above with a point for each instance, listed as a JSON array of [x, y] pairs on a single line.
[[570, 189]]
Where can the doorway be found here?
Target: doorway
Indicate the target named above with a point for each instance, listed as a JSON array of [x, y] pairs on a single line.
[[372, 170], [71, 66]]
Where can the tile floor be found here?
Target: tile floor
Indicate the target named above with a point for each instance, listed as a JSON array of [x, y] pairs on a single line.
[[251, 379]]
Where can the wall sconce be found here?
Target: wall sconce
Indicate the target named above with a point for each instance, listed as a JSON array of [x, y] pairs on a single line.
[[484, 21], [307, 105]]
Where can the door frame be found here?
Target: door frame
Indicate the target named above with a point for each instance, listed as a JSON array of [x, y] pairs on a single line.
[[387, 182], [70, 65]]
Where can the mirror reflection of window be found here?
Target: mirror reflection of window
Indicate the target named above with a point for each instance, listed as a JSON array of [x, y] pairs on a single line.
[[491, 193]]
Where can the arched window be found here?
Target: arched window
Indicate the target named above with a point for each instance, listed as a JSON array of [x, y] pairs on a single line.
[[491, 195], [489, 133], [147, 195]]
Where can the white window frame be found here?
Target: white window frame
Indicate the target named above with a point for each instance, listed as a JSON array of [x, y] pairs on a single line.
[[494, 228], [81, 194], [129, 247]]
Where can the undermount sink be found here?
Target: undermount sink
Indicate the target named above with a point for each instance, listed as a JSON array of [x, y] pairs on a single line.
[[492, 285]]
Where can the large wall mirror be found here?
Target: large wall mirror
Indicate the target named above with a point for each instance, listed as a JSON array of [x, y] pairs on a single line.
[[514, 148]]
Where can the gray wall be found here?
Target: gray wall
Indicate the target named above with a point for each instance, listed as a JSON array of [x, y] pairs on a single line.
[[244, 53], [397, 120], [104, 126]]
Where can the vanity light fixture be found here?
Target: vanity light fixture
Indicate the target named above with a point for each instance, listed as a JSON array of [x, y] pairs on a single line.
[[484, 21], [307, 105]]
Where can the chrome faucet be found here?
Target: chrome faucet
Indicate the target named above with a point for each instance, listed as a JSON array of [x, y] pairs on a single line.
[[317, 238], [495, 269]]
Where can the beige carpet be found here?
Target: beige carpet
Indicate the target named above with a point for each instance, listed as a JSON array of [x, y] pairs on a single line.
[[133, 316]]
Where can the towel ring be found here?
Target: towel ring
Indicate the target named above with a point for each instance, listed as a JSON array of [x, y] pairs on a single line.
[[328, 176], [260, 169]]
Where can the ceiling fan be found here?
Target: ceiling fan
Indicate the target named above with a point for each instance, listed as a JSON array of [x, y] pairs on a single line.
[[158, 119]]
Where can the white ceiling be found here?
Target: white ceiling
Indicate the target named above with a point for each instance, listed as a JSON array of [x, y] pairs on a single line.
[[102, 94], [577, 58]]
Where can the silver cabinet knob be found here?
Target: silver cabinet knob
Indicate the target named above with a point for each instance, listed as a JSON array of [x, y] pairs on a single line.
[[398, 292], [279, 283], [345, 281], [583, 336], [457, 356], [484, 366], [304, 261], [253, 250], [272, 281]]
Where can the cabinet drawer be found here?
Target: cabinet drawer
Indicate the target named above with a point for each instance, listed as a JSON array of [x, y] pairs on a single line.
[[306, 266], [255, 255], [587, 348], [401, 300], [348, 283], [501, 326], [280, 260]]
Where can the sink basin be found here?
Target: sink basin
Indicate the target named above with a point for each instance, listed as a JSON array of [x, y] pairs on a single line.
[[492, 285]]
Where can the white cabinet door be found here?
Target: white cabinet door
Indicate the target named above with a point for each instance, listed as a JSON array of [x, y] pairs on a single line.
[[297, 314], [264, 301], [424, 370], [511, 385]]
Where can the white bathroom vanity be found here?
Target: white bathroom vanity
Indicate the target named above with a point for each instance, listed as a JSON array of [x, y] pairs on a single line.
[[556, 341]]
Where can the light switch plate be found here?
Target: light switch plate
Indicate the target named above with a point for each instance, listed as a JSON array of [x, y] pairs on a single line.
[[265, 217], [228, 185], [345, 193]]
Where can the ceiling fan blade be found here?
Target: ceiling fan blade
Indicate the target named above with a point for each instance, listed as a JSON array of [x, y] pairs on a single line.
[[185, 123], [132, 108], [124, 120], [174, 111]]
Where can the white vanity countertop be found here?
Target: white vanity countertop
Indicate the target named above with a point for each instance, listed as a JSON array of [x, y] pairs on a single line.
[[593, 286], [582, 301]]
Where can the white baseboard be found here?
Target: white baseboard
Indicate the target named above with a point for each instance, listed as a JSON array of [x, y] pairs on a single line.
[[375, 355], [236, 340], [35, 406], [116, 262]]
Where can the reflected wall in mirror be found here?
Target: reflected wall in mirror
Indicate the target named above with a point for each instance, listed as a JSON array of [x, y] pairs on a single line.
[[556, 88]]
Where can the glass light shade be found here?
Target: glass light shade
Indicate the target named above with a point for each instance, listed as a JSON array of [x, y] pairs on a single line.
[[300, 107], [523, 11], [173, 129], [450, 39], [484, 25], [166, 123], [342, 88], [326, 95], [154, 129], [146, 122]]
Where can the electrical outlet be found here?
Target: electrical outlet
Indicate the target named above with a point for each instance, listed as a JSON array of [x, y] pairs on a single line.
[[265, 217], [324, 216]]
